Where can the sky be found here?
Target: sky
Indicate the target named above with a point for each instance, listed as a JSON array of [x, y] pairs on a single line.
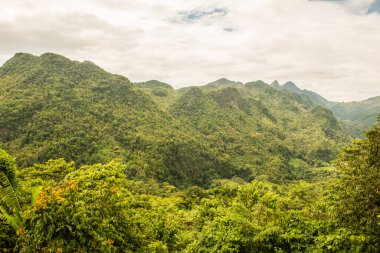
[[329, 46]]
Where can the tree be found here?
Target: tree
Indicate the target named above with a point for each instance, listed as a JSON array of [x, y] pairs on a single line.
[[8, 166], [356, 195], [91, 210], [10, 213]]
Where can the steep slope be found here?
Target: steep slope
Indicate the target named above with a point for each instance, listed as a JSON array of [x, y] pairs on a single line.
[[359, 116], [314, 97], [270, 131], [53, 107]]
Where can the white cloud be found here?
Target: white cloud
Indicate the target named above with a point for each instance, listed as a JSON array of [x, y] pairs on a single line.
[[330, 48], [359, 6]]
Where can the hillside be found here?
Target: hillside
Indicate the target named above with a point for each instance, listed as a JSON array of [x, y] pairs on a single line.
[[53, 107], [359, 116], [314, 97], [105, 165], [96, 208]]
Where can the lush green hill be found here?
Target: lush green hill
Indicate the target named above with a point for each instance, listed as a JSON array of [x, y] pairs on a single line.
[[359, 116], [53, 107], [255, 120], [272, 132], [163, 142]]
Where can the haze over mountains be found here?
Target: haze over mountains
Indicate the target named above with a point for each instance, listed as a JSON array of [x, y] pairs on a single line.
[[358, 115]]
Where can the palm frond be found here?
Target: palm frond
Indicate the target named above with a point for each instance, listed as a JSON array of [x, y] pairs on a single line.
[[8, 195], [14, 220]]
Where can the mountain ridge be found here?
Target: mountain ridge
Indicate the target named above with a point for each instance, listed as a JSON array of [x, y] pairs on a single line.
[[358, 115], [53, 107]]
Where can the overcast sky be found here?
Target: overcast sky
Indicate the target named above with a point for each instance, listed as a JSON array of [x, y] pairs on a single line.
[[328, 46]]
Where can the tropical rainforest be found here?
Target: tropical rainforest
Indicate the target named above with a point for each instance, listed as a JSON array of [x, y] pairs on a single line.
[[91, 162]]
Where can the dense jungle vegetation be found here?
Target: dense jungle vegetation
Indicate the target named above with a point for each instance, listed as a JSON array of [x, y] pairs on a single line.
[[90, 162]]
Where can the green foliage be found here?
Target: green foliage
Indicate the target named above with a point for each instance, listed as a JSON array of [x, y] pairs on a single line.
[[227, 167], [96, 208], [54, 170], [91, 210], [11, 219], [356, 194], [8, 166], [9, 205], [54, 108], [358, 116], [80, 214]]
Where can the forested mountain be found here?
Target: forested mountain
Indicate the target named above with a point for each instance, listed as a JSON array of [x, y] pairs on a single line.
[[359, 116], [90, 162], [53, 107]]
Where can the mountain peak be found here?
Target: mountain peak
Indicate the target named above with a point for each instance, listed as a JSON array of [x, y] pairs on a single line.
[[18, 63], [275, 83], [291, 87], [20, 58], [290, 84], [154, 83], [56, 59], [22, 55], [52, 55], [222, 82]]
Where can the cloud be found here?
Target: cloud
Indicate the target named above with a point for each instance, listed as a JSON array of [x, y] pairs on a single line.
[[359, 6], [195, 15], [327, 47], [228, 29], [375, 7], [60, 32], [355, 6]]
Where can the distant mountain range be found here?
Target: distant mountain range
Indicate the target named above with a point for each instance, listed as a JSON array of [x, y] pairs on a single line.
[[359, 116]]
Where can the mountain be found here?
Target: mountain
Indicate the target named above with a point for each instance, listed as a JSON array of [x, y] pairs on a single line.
[[359, 116], [223, 82], [260, 120], [161, 93], [291, 87], [275, 84], [53, 107], [314, 97]]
